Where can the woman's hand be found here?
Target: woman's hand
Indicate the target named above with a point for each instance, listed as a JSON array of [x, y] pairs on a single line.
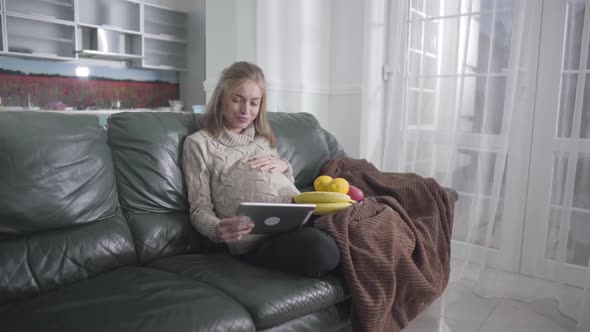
[[232, 229], [269, 164]]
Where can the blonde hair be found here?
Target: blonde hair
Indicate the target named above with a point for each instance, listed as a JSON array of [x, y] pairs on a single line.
[[230, 78]]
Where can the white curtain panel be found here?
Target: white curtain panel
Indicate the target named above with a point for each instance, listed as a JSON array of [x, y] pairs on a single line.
[[492, 98]]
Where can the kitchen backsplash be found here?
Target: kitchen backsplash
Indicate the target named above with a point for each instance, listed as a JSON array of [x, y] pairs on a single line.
[[54, 85]]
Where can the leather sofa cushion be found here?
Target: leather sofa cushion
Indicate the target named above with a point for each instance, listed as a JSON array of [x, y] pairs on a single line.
[[303, 142], [60, 219], [147, 154], [40, 262], [55, 171], [157, 235], [129, 299], [333, 318], [271, 297]]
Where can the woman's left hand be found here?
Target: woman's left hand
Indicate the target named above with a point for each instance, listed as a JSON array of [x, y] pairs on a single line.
[[269, 164]]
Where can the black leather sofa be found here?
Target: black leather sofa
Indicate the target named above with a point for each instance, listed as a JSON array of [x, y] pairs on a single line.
[[95, 234]]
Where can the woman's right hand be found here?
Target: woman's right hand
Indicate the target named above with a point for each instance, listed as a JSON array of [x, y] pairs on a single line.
[[233, 229]]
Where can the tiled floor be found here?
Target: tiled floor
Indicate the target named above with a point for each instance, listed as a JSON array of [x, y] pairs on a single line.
[[460, 310]]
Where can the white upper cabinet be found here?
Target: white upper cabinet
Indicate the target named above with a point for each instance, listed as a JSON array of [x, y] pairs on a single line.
[[165, 37], [162, 54], [164, 23], [37, 38], [39, 28], [48, 9], [109, 29], [111, 14], [146, 35]]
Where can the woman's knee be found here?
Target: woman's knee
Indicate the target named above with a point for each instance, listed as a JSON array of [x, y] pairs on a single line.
[[322, 253]]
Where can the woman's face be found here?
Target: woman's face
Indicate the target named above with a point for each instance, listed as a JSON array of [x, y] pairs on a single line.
[[243, 106]]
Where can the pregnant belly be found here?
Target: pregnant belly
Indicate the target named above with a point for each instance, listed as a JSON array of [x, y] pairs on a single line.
[[247, 185]]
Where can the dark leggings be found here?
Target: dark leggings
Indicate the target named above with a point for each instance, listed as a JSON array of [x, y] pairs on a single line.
[[307, 251]]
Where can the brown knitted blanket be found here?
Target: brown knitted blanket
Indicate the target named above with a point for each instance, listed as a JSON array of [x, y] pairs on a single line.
[[395, 244]]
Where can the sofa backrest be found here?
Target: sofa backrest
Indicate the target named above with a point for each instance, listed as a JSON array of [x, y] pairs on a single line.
[[303, 142], [147, 154], [60, 219]]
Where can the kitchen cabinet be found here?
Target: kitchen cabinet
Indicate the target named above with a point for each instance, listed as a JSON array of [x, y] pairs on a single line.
[[165, 34], [109, 29], [158, 21], [30, 37], [48, 9], [39, 28], [164, 54], [144, 35]]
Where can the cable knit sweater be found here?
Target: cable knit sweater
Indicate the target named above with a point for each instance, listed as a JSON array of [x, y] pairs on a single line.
[[219, 177]]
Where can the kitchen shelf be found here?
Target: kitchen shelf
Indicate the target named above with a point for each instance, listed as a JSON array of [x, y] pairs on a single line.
[[166, 54], [108, 55], [170, 24], [55, 39], [38, 56], [41, 18], [44, 9], [58, 3], [165, 38], [109, 27], [164, 67]]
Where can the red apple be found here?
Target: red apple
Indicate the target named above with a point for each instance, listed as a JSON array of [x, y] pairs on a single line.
[[355, 193]]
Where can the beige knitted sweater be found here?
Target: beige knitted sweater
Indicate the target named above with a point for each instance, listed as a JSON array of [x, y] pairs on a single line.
[[219, 177]]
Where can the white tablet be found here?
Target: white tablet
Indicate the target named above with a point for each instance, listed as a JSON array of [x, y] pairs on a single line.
[[275, 217]]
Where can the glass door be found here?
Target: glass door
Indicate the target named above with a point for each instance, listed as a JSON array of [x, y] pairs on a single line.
[[458, 72], [558, 207]]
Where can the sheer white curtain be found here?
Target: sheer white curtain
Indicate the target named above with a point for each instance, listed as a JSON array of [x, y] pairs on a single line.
[[492, 98]]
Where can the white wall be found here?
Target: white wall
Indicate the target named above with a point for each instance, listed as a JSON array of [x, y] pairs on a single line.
[[346, 74], [310, 51], [294, 51], [230, 36]]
